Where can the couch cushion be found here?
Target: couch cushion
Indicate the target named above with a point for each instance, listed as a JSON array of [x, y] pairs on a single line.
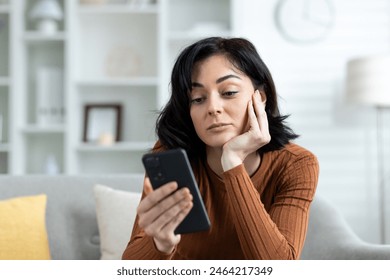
[[23, 233], [71, 217], [115, 212]]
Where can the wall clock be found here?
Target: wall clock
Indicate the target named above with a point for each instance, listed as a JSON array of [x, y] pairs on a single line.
[[304, 21]]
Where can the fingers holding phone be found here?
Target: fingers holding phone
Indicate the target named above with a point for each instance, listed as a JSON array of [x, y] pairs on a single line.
[[175, 205], [161, 211], [173, 165]]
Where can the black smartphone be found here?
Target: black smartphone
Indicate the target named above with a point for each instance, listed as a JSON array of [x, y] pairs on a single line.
[[173, 165]]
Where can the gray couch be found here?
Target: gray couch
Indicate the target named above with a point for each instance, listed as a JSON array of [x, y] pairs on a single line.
[[73, 230], [70, 216]]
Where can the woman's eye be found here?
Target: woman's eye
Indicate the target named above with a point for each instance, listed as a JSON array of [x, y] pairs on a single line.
[[196, 100], [229, 93]]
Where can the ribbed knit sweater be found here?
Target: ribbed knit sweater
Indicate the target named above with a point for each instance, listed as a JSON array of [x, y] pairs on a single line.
[[264, 216]]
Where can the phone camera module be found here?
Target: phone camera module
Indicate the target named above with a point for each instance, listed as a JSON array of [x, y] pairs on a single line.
[[159, 176], [153, 162]]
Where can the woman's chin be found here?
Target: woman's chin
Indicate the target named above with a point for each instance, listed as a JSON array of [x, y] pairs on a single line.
[[218, 141]]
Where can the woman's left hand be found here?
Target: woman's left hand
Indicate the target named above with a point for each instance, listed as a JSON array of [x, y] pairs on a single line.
[[238, 148]]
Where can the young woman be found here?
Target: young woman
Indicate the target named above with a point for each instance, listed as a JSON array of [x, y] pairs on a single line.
[[256, 184]]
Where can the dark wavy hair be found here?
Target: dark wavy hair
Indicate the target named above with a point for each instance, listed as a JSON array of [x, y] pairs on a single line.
[[174, 126]]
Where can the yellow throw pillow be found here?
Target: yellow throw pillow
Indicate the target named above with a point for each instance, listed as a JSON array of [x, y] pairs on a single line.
[[23, 234]]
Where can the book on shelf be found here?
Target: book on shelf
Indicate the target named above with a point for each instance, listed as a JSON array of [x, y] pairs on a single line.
[[50, 96]]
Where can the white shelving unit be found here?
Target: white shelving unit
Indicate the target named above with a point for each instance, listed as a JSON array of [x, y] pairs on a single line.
[[5, 88], [31, 141], [122, 70], [109, 54]]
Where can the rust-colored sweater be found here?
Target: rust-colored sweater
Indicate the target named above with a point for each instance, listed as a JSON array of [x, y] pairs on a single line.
[[260, 217]]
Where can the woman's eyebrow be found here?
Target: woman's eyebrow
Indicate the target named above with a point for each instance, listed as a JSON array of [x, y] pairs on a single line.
[[219, 80]]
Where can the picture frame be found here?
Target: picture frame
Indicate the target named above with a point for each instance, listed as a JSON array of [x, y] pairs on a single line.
[[102, 123]]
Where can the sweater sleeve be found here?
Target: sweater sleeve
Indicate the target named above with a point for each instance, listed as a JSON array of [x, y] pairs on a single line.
[[280, 232], [142, 247]]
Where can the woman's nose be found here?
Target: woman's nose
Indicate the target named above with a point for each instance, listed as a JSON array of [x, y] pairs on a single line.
[[215, 105]]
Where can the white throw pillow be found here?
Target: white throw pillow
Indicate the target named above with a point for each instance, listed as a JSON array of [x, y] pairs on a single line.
[[115, 212]]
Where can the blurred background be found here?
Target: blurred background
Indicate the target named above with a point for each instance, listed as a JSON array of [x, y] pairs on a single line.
[[81, 82]]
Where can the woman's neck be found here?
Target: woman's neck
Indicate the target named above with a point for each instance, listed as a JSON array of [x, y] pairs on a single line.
[[251, 162]]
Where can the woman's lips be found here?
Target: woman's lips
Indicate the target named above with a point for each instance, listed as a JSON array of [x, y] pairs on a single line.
[[218, 126]]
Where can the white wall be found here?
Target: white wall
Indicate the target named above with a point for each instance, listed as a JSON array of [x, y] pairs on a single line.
[[309, 79]]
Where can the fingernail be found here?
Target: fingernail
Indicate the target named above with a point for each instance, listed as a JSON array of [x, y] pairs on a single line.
[[185, 191], [173, 186]]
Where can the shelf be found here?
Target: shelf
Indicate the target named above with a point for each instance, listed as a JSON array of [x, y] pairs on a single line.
[[118, 147], [36, 129], [141, 81], [4, 148], [4, 81], [118, 9], [118, 51], [34, 36]]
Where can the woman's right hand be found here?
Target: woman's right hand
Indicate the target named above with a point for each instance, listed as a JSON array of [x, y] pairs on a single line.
[[161, 211]]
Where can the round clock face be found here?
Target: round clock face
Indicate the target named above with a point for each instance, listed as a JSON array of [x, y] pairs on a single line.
[[304, 21]]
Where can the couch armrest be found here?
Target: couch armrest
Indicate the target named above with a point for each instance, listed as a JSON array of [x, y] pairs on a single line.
[[329, 237]]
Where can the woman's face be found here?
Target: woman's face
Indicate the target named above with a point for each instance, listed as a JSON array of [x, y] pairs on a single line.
[[219, 99]]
